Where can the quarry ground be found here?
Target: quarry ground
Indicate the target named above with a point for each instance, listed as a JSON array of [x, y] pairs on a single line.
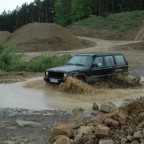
[[13, 133]]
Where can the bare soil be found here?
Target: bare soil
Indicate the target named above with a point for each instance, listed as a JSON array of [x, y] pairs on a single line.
[[4, 35], [45, 37]]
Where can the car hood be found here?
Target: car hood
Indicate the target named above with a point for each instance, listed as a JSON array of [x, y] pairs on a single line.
[[68, 68]]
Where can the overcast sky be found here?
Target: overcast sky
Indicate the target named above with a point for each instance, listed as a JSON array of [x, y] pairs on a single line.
[[11, 4]]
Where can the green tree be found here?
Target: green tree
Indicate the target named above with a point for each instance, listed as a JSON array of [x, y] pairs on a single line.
[[80, 9], [59, 13]]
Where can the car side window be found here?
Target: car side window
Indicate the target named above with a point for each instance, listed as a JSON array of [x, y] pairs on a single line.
[[98, 62], [119, 60], [109, 61]]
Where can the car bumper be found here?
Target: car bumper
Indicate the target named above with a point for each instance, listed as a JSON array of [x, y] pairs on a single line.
[[53, 80]]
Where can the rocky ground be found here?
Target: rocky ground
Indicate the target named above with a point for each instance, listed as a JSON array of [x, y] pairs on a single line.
[[21, 126]]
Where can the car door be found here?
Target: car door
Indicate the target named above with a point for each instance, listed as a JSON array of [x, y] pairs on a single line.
[[97, 71], [109, 65]]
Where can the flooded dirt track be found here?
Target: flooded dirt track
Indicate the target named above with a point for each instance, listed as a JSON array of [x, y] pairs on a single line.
[[16, 96], [34, 94]]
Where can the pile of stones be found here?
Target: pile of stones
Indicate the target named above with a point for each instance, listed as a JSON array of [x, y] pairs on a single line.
[[106, 124]]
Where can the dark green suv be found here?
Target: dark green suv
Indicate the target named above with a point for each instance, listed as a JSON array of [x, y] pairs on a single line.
[[88, 67]]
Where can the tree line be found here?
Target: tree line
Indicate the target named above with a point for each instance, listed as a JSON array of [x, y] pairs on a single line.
[[63, 12]]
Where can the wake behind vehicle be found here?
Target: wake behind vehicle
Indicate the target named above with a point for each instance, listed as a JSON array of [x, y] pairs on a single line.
[[89, 67]]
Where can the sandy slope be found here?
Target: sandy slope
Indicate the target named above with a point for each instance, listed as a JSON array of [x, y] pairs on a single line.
[[44, 37]]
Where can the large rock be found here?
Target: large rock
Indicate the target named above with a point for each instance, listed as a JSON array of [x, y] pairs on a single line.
[[142, 141], [123, 140], [113, 112], [111, 122], [129, 138], [90, 141], [102, 131], [108, 141], [134, 107], [78, 139], [77, 119], [99, 119], [141, 116], [83, 130], [121, 117], [61, 129], [95, 106], [135, 142], [138, 135], [106, 107], [62, 140]]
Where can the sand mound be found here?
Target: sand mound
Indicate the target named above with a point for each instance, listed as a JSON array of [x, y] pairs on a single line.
[[43, 37], [76, 86], [4, 35]]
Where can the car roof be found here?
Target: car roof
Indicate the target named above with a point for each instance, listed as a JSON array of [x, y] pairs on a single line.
[[99, 53]]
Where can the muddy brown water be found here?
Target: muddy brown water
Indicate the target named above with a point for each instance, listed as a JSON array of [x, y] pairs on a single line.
[[16, 95]]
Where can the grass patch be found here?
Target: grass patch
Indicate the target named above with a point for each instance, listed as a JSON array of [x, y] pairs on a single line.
[[10, 60], [120, 21], [42, 63], [8, 57]]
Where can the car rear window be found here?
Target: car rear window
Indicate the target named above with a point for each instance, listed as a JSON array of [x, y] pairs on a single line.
[[119, 60], [109, 61]]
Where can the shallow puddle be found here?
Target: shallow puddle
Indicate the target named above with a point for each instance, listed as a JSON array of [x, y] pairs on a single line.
[[17, 95], [35, 95]]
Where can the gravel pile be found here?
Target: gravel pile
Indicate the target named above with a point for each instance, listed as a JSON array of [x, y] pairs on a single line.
[[108, 125]]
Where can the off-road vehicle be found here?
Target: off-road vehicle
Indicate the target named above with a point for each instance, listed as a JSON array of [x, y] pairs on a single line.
[[89, 67]]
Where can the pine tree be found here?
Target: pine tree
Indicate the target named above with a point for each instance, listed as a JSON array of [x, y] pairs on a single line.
[[59, 13]]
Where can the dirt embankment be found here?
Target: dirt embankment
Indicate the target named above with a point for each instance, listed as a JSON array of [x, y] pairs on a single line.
[[45, 37], [4, 36], [135, 34]]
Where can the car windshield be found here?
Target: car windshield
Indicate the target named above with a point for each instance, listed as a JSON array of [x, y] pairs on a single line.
[[81, 60]]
